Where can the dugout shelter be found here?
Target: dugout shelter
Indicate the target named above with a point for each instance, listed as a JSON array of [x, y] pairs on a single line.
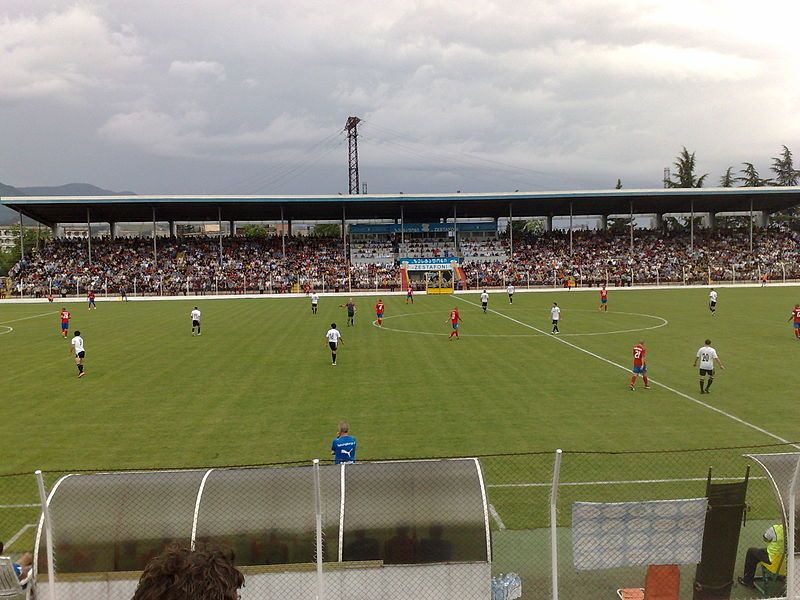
[[379, 528]]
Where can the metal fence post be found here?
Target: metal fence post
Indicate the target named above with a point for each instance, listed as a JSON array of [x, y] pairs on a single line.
[[318, 517], [51, 570], [791, 566], [554, 524]]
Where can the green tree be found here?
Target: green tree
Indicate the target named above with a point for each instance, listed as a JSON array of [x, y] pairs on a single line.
[[619, 225], [729, 179], [682, 224], [326, 230], [783, 167], [685, 176], [750, 177], [527, 226], [255, 231]]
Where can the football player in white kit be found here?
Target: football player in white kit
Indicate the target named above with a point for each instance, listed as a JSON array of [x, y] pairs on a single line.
[[555, 315], [707, 357], [712, 301], [79, 351], [510, 290], [484, 300], [333, 338], [196, 321]]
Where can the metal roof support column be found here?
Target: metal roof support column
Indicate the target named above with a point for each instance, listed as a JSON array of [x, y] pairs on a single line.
[[89, 228], [570, 228], [751, 225], [21, 238], [402, 226], [219, 221], [691, 228], [344, 240], [511, 231], [283, 236], [631, 228], [455, 225], [232, 226], [155, 247]]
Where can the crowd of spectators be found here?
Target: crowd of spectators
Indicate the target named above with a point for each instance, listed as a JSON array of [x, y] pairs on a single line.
[[657, 256], [193, 265], [184, 265]]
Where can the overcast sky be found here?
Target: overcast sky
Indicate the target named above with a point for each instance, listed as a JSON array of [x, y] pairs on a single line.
[[251, 96]]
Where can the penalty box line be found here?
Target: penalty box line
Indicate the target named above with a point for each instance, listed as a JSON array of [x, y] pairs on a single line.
[[653, 381]]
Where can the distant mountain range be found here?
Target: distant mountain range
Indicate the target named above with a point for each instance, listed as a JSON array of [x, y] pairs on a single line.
[[8, 216]]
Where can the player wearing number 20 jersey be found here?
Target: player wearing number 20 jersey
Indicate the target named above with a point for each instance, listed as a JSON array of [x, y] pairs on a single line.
[[639, 365], [707, 356]]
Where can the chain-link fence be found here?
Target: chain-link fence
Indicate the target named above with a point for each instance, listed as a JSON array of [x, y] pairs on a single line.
[[678, 524]]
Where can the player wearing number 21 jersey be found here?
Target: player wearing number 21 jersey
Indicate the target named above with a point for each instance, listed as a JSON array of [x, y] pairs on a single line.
[[639, 365], [795, 317]]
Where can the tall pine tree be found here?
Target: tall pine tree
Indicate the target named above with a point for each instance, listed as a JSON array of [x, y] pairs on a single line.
[[750, 177], [685, 176], [783, 167], [729, 179]]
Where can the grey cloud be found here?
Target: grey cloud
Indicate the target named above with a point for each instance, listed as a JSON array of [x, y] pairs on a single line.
[[569, 93]]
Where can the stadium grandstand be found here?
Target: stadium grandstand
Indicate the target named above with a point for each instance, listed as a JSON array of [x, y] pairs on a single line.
[[447, 241]]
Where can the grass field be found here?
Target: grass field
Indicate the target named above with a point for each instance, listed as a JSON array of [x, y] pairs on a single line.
[[258, 387]]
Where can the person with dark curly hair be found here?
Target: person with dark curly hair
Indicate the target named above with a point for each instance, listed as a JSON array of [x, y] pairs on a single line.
[[184, 574]]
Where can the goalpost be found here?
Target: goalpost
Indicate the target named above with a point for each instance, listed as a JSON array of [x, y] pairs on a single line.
[[439, 282]]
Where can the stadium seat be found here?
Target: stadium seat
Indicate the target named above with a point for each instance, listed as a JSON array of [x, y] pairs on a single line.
[[662, 582], [770, 578]]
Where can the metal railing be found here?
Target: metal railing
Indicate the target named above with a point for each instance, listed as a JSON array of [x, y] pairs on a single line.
[[561, 524]]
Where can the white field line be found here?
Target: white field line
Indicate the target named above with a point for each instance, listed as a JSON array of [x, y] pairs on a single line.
[[548, 484], [18, 535], [653, 381], [19, 505], [7, 330], [496, 516], [32, 317]]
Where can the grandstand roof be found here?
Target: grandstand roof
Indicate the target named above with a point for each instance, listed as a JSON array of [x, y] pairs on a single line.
[[416, 207]]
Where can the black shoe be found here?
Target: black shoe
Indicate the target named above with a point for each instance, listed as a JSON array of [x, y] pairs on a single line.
[[749, 584]]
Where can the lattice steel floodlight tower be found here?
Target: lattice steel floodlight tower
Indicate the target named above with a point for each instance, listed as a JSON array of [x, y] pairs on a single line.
[[351, 127]]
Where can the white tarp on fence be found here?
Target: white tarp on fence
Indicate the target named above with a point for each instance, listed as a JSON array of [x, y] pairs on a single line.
[[624, 534]]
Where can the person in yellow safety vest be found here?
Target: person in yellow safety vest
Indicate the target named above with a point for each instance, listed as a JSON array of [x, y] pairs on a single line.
[[771, 554]]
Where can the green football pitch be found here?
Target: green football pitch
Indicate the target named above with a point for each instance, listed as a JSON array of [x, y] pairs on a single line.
[[258, 387]]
